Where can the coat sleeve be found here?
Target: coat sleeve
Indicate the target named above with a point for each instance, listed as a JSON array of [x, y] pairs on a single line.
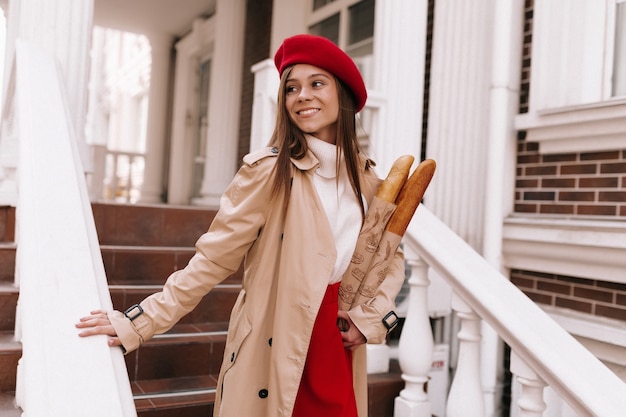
[[368, 317], [219, 253]]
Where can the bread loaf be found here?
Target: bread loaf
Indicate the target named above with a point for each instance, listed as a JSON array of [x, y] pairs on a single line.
[[399, 172], [410, 197]]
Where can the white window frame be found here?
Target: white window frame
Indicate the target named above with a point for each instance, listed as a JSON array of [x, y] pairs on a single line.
[[571, 108]]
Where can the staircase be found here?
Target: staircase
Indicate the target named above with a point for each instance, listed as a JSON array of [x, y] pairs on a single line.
[[173, 374]]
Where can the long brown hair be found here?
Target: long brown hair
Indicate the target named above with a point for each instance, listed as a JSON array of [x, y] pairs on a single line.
[[291, 143]]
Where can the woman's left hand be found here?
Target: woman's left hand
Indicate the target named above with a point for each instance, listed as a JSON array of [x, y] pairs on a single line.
[[351, 335]]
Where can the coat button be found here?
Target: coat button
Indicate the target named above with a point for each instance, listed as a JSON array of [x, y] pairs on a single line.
[[270, 341], [274, 150], [263, 393], [232, 357]]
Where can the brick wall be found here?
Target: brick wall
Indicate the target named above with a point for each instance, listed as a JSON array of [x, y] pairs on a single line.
[[578, 184], [575, 185], [589, 296]]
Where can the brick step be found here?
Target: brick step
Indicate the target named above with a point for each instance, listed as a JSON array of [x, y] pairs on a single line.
[[150, 225], [8, 303], [177, 355], [7, 261], [146, 264], [7, 224], [214, 307], [10, 353]]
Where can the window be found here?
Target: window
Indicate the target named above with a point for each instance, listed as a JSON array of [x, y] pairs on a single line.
[[578, 76], [348, 23]]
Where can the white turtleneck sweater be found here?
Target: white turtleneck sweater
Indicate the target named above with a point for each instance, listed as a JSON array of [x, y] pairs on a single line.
[[340, 203]]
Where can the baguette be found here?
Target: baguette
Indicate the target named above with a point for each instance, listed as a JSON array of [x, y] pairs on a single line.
[[410, 197], [398, 174]]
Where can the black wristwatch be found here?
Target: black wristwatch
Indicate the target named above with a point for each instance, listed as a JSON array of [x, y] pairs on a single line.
[[133, 312], [391, 320]]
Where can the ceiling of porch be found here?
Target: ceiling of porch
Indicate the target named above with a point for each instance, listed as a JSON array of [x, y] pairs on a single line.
[[171, 17]]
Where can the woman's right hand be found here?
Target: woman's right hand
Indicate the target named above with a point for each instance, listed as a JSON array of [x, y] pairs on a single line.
[[98, 323]]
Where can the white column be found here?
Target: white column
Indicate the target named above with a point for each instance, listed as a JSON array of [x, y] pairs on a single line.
[[161, 46], [466, 396], [416, 345], [399, 55], [224, 101], [63, 29]]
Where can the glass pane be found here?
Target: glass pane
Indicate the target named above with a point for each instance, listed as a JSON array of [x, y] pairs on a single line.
[[619, 63], [328, 28], [361, 21], [320, 3]]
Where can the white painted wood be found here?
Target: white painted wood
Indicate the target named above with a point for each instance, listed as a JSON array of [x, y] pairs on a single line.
[[580, 248], [58, 262], [416, 345], [570, 370], [530, 401], [466, 392]]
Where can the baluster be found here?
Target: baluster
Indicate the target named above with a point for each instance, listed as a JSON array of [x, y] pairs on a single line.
[[416, 345], [530, 401], [466, 394]]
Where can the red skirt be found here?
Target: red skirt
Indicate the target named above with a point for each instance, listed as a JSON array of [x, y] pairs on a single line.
[[326, 388]]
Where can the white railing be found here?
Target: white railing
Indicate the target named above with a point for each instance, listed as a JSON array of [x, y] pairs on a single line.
[[59, 268], [543, 353]]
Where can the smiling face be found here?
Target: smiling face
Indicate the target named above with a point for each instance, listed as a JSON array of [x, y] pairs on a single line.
[[312, 101]]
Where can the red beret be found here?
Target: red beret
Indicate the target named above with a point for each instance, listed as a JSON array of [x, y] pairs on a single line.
[[323, 53]]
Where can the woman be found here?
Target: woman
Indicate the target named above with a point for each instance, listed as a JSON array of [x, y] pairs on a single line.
[[292, 214]]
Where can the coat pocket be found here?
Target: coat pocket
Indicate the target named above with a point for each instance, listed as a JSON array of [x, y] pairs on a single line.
[[239, 328]]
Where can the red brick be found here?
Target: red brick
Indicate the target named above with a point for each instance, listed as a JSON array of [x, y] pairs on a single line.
[[540, 298], [611, 312], [594, 295], [528, 158], [590, 156], [570, 157], [522, 282], [554, 287], [598, 210], [573, 304], [577, 196], [556, 209], [617, 168], [541, 170], [578, 169], [526, 208], [617, 196], [539, 195], [598, 182], [527, 183], [558, 182]]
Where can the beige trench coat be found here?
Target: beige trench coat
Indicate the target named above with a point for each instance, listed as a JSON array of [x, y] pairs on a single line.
[[288, 259]]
